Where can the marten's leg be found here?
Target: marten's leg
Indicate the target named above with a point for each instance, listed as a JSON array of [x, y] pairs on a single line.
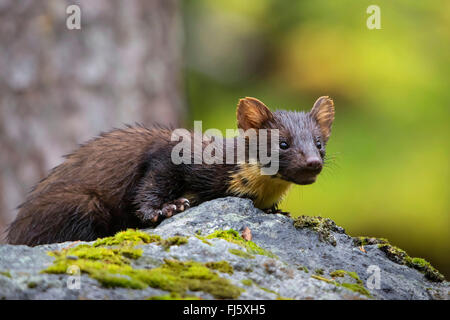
[[59, 215], [158, 196]]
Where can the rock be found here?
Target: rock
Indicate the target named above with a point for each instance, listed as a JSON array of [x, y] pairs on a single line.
[[203, 255]]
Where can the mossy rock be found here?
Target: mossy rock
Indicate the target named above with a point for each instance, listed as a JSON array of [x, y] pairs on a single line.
[[129, 237], [169, 262], [323, 226], [109, 262], [364, 241], [426, 268], [222, 266], [400, 256], [319, 271]]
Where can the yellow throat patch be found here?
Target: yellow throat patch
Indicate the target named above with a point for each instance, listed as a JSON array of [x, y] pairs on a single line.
[[266, 190]]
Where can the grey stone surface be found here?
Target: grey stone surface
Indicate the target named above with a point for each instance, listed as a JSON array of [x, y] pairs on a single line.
[[281, 276]]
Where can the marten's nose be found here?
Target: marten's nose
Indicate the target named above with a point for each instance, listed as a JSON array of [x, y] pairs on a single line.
[[313, 163]]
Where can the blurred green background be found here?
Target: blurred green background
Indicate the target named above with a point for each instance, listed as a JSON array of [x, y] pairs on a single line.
[[389, 173]]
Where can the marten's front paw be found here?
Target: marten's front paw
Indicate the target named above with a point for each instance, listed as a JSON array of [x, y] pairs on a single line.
[[149, 216], [174, 207], [153, 216]]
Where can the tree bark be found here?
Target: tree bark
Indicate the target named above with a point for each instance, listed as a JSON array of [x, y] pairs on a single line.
[[60, 87]]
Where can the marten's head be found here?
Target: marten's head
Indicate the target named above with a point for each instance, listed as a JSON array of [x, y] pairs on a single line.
[[302, 136]]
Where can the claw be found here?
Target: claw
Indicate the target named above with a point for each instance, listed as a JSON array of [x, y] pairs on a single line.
[[154, 217], [182, 204], [168, 210]]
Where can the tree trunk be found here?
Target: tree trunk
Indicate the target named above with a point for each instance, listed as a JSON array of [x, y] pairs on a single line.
[[60, 87]]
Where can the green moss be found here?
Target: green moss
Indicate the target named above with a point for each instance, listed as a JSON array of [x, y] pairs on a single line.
[[111, 266], [133, 237], [342, 273], [241, 253], [355, 276], [6, 274], [128, 252], [319, 271], [419, 262], [247, 282], [267, 290], [426, 268], [399, 256], [203, 239], [174, 296], [357, 287], [270, 291], [125, 278], [92, 259], [322, 279], [393, 253], [129, 237], [303, 268], [363, 241], [173, 241], [338, 273], [221, 266], [234, 237], [31, 284], [320, 225], [181, 276]]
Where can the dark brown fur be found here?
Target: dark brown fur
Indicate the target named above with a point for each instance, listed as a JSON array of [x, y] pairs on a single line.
[[123, 178]]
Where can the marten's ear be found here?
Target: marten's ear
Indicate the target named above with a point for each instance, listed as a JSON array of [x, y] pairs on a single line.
[[252, 114], [323, 113]]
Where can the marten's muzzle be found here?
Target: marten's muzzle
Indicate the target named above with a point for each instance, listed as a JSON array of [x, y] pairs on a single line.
[[307, 172]]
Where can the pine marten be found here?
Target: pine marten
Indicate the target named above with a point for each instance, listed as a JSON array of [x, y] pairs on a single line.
[[125, 178]]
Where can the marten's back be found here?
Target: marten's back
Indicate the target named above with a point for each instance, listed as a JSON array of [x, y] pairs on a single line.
[[89, 193]]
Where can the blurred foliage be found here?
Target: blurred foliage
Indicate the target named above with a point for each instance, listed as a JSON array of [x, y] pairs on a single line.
[[388, 175]]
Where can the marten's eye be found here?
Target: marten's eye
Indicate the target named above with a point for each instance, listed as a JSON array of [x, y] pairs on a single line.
[[284, 145], [318, 144]]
